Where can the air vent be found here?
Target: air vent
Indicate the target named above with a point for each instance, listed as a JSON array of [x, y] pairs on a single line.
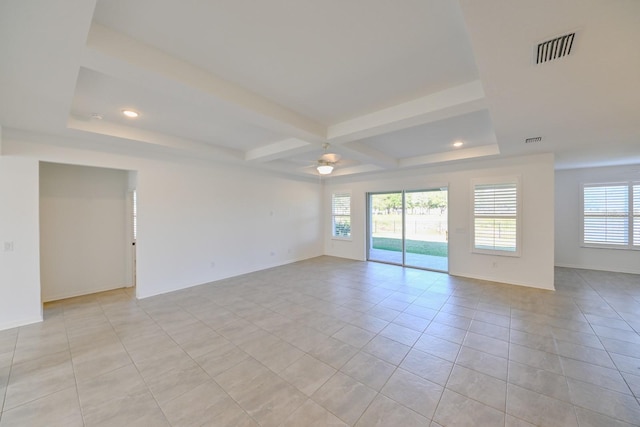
[[554, 48], [531, 140]]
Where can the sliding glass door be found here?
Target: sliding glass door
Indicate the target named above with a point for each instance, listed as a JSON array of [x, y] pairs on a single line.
[[409, 228], [386, 225]]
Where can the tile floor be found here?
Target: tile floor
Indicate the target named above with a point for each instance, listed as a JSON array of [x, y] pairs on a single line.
[[330, 342]]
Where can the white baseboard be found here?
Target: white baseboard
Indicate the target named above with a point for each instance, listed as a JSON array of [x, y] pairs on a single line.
[[492, 279], [80, 292], [596, 268], [18, 323]]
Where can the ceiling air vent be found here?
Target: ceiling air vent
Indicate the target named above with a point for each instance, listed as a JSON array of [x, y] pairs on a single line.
[[554, 48], [531, 140]]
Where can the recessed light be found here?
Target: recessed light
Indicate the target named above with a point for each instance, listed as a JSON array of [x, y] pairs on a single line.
[[96, 116], [130, 113], [458, 144]]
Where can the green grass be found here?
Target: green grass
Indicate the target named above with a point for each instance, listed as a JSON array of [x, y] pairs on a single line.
[[412, 246]]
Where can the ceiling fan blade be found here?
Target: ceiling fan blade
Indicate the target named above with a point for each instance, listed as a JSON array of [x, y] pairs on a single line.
[[331, 157]]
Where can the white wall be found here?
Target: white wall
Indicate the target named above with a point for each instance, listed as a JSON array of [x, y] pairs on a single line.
[[535, 265], [202, 223], [190, 214], [568, 252], [19, 266], [83, 230]]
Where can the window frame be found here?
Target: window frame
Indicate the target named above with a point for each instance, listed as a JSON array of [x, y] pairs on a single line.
[[631, 244], [516, 180], [335, 215]]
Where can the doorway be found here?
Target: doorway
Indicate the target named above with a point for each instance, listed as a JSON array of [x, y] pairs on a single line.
[[409, 228]]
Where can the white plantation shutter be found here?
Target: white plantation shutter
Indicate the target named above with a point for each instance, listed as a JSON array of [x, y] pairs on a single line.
[[636, 215], [495, 210], [606, 214], [341, 214], [134, 215]]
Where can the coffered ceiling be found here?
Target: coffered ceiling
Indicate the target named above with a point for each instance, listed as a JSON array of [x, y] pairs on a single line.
[[388, 85]]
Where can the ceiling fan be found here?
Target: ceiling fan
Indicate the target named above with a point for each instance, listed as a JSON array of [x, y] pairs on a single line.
[[327, 161]]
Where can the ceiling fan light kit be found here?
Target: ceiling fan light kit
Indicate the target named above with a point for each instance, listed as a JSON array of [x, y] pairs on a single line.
[[324, 169]]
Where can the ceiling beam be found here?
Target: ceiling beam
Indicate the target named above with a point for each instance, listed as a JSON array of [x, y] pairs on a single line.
[[461, 154], [103, 127], [117, 55], [277, 150], [441, 105], [361, 152]]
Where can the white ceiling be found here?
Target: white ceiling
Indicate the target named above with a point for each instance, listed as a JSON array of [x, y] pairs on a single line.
[[388, 84]]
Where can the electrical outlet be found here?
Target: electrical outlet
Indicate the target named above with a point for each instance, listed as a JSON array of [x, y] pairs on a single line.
[[495, 264], [8, 246]]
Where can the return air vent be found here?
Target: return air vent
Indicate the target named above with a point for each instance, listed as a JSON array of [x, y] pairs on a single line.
[[532, 140], [555, 48]]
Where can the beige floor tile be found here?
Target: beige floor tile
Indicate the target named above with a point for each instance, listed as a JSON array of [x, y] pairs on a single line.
[[386, 412], [539, 409], [333, 352], [616, 405], [280, 356], [478, 386], [308, 374], [243, 376], [401, 334], [369, 370], [446, 332], [310, 414], [625, 348], [176, 382], [199, 406], [511, 421], [35, 379], [483, 362], [538, 380], [535, 358], [413, 392], [90, 361], [417, 322], [633, 381], [438, 347], [222, 358], [272, 404], [581, 338], [588, 418], [487, 344], [369, 323], [457, 410], [123, 383], [387, 349], [427, 366], [594, 374], [584, 354], [344, 397], [454, 320], [119, 350], [354, 336], [536, 342], [60, 408]]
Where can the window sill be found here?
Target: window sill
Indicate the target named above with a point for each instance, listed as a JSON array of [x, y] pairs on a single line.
[[496, 253], [615, 248]]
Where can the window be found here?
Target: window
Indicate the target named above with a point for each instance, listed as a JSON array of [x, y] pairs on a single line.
[[611, 215], [495, 217], [341, 215]]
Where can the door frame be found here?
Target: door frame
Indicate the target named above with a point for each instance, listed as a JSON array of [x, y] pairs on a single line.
[[369, 234]]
